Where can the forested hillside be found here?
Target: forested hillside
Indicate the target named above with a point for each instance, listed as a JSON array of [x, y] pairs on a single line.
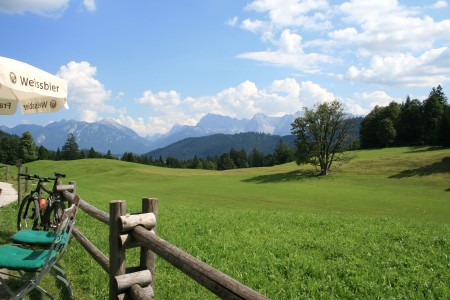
[[218, 144]]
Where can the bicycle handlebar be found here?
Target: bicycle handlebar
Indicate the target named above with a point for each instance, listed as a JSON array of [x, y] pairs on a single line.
[[58, 175], [35, 176], [42, 179]]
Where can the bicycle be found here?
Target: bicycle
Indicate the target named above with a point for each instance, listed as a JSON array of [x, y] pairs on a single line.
[[35, 206]]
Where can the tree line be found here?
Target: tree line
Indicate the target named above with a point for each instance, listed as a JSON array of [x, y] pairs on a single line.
[[233, 159], [411, 123], [14, 148]]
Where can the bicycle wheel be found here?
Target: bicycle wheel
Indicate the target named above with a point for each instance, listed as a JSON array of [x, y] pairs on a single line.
[[28, 215], [56, 213]]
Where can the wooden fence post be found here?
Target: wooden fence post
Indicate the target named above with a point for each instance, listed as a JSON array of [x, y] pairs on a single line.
[[74, 183], [149, 205], [19, 183], [117, 208], [26, 181]]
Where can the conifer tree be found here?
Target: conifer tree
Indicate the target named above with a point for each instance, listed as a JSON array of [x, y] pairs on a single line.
[[28, 150], [70, 149]]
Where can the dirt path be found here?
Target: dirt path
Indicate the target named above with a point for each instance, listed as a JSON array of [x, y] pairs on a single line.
[[8, 194]]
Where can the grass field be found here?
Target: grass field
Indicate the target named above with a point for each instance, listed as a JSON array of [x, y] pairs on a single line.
[[378, 227]]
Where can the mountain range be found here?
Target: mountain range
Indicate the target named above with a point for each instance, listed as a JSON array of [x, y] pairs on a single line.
[[108, 135]]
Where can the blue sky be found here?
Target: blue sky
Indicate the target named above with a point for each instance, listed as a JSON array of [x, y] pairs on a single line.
[[152, 64]]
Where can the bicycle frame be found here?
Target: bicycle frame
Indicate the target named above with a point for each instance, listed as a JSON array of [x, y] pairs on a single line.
[[52, 198], [45, 204]]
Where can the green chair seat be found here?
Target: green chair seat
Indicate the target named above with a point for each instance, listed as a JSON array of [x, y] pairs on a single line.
[[40, 262], [33, 237], [16, 258]]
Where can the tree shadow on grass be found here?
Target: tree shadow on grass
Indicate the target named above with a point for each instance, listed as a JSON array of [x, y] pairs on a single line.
[[419, 149], [284, 177], [442, 166]]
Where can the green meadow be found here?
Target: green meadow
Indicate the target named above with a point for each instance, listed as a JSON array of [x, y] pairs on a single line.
[[376, 228]]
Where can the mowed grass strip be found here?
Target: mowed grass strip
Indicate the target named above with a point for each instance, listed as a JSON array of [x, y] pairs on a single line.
[[376, 228]]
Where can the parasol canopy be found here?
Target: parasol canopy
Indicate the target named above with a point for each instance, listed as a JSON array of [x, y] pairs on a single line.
[[33, 89]]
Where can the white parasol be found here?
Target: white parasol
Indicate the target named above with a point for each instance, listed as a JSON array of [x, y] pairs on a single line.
[[35, 90]]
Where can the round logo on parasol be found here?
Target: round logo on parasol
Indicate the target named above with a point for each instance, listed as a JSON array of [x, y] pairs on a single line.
[[13, 77], [53, 104]]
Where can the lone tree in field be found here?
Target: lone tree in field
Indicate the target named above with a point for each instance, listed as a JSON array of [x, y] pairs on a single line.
[[322, 135], [28, 150], [70, 148]]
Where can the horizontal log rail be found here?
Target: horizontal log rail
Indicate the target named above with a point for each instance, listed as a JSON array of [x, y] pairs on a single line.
[[124, 282], [87, 208], [96, 254], [65, 187], [217, 282], [134, 234]]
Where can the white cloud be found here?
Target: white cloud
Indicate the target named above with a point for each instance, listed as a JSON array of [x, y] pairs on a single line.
[[137, 124], [289, 85], [233, 21], [384, 26], [399, 42], [90, 5], [290, 53], [440, 4], [254, 25], [312, 93], [429, 69], [88, 115], [86, 94], [363, 103], [48, 8], [361, 11], [365, 35], [284, 13], [160, 99], [346, 34], [283, 18], [165, 108], [236, 101], [290, 42], [154, 125]]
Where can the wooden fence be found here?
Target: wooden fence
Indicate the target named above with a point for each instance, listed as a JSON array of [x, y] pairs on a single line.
[[139, 230]]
